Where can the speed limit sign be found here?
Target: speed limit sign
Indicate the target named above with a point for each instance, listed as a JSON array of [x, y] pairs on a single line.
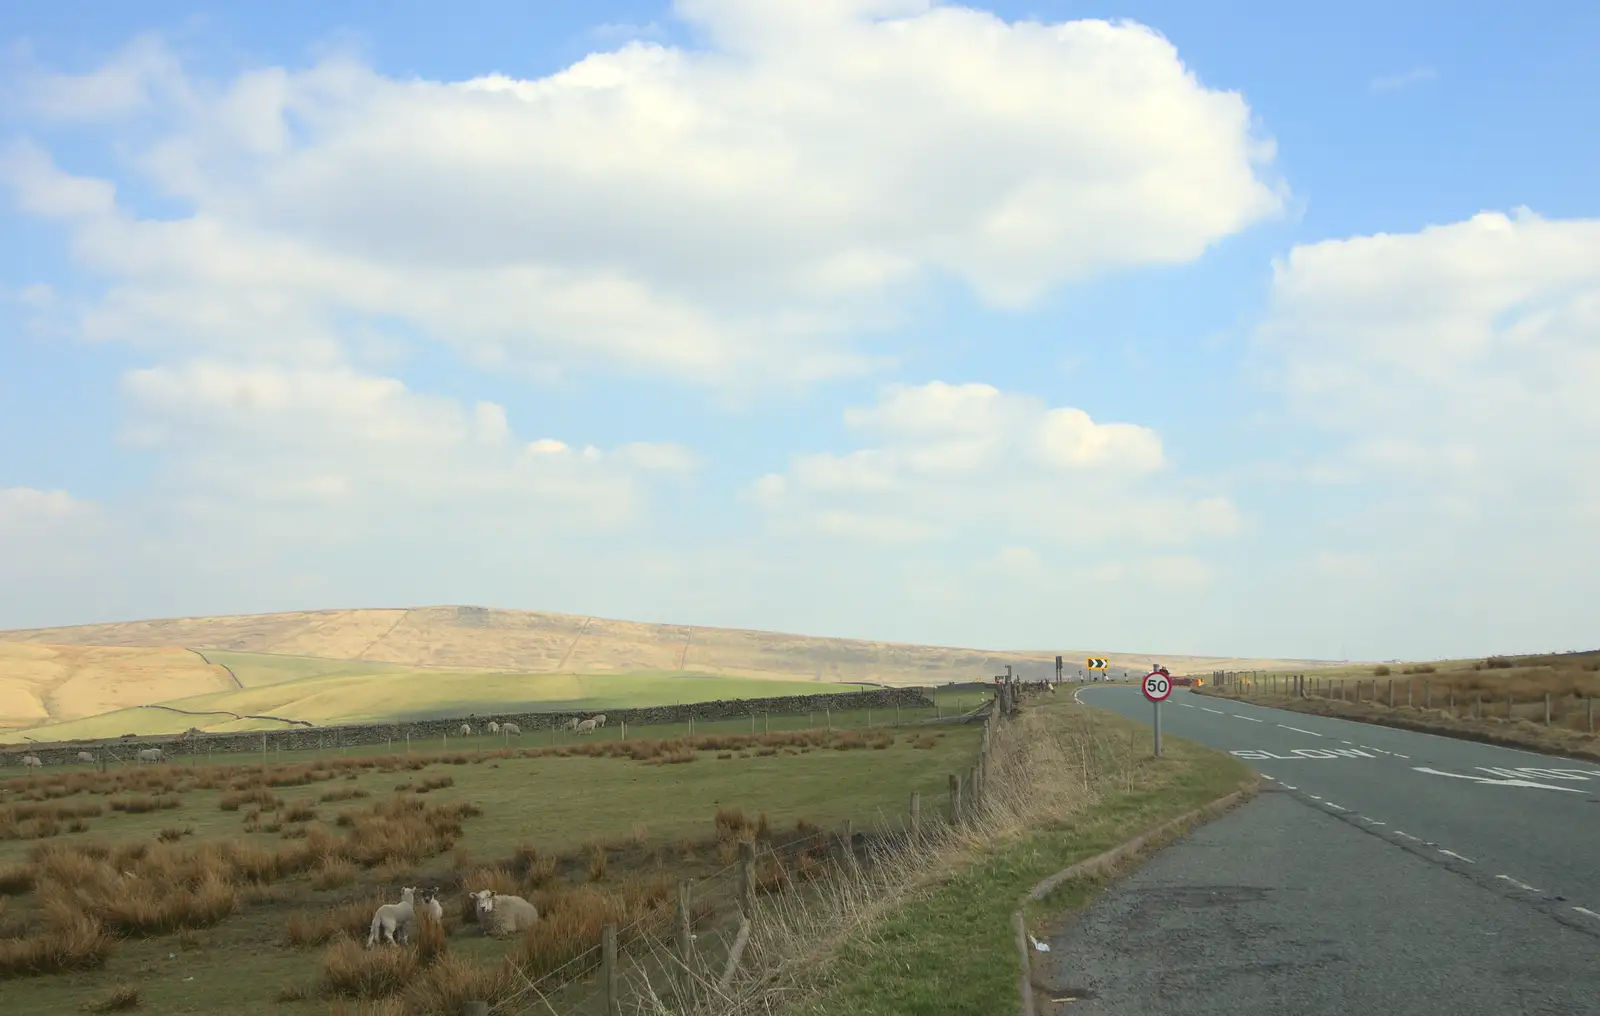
[[1157, 686]]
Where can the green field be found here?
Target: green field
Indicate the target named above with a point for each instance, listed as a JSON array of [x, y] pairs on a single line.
[[654, 820], [281, 687]]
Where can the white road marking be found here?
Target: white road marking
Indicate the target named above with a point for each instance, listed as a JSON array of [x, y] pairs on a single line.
[[1219, 712], [1186, 705], [1587, 912], [1452, 853], [1519, 885], [1406, 835], [1297, 730], [1314, 797], [1338, 807], [1287, 787], [1498, 783], [1398, 755], [1252, 719], [1347, 742], [1371, 821]]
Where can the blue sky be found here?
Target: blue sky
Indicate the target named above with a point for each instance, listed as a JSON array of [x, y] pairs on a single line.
[[1265, 331]]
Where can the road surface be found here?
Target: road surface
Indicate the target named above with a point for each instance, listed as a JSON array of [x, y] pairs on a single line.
[[1383, 870]]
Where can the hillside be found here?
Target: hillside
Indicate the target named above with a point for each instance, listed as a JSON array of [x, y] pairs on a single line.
[[338, 665]]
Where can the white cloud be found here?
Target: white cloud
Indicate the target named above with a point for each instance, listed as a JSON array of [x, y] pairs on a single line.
[[722, 216], [956, 462], [26, 512], [1394, 82]]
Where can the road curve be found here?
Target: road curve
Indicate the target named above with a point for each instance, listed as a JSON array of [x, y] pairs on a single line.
[[1523, 825]]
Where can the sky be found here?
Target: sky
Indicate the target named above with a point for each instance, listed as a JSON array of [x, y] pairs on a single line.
[[1259, 330]]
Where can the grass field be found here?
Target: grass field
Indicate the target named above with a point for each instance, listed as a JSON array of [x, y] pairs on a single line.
[[399, 694], [1497, 699], [200, 927]]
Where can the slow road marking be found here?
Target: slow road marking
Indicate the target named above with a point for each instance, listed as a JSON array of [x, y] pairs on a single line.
[[1498, 783]]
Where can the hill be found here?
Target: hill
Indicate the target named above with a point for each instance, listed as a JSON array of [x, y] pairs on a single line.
[[344, 665]]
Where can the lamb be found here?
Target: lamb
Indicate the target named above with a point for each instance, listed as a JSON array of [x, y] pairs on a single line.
[[494, 728], [84, 756], [32, 762], [466, 730], [572, 724], [503, 915], [392, 919], [586, 727], [512, 729], [151, 755], [431, 907], [600, 720]]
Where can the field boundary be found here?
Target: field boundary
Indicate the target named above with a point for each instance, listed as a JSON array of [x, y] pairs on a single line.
[[1109, 860], [1421, 723], [349, 735]]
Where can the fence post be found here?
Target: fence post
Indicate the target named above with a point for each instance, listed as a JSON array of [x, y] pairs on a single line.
[[916, 809], [1547, 709], [1427, 694], [1590, 700], [1410, 681], [955, 799], [747, 860], [685, 939], [608, 969]]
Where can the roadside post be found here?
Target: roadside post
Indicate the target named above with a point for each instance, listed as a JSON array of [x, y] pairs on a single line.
[[1157, 686]]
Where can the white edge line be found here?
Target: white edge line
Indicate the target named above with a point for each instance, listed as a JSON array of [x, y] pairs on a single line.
[[1452, 853], [1587, 912]]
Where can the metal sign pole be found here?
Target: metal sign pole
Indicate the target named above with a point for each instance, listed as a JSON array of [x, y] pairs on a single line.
[[1157, 707]]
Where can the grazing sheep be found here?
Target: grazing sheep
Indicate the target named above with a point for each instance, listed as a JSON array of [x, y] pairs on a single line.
[[151, 755], [572, 724], [32, 762], [512, 729], [494, 728], [600, 720], [503, 915], [466, 730], [393, 919], [586, 727], [431, 907], [84, 756]]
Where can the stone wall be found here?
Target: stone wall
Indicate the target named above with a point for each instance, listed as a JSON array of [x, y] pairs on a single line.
[[443, 731]]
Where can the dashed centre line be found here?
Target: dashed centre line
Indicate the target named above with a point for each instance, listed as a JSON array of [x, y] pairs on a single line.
[[1297, 730], [1219, 712], [1239, 716]]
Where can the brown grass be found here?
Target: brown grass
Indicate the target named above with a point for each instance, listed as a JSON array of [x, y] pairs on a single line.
[[143, 803], [352, 919], [120, 999], [15, 879], [333, 873], [348, 970], [68, 941]]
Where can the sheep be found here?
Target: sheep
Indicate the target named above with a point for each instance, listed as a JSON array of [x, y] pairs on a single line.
[[600, 720], [392, 919], [586, 727], [431, 907], [151, 755], [466, 730], [32, 762], [494, 728], [512, 729], [572, 724], [503, 915], [84, 756]]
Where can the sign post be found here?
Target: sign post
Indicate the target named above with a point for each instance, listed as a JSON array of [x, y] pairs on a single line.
[[1157, 686]]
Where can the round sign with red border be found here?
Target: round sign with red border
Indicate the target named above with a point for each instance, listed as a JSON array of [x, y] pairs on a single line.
[[1157, 686]]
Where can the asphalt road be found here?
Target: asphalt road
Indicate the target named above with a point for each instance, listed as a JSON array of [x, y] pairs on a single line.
[[1384, 870]]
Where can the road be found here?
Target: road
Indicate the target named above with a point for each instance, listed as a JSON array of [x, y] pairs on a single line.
[[1384, 850]]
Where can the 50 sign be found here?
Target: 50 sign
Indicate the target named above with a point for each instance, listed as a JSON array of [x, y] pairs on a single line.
[[1157, 686]]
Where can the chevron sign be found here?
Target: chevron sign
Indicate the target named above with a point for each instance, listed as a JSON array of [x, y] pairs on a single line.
[[1095, 664]]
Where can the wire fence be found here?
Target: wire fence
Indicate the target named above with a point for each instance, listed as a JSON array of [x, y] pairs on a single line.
[[727, 940]]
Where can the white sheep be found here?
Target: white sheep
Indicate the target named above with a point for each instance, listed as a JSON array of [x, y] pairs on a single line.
[[84, 756], [393, 919], [494, 728], [32, 762], [503, 915], [466, 730], [512, 729], [600, 720], [586, 727], [151, 755], [431, 907], [572, 724]]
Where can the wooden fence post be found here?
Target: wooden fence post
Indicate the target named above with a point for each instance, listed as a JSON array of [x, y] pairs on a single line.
[[955, 799], [916, 809], [1409, 682], [685, 939], [1427, 694], [608, 969], [1391, 693], [747, 861], [1547, 709]]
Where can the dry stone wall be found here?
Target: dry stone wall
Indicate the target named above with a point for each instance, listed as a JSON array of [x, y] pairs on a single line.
[[445, 730]]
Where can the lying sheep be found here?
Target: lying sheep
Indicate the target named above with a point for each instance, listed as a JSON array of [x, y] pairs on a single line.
[[494, 728], [503, 915], [32, 762], [512, 729], [151, 755], [586, 727], [392, 921], [84, 756], [431, 907]]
